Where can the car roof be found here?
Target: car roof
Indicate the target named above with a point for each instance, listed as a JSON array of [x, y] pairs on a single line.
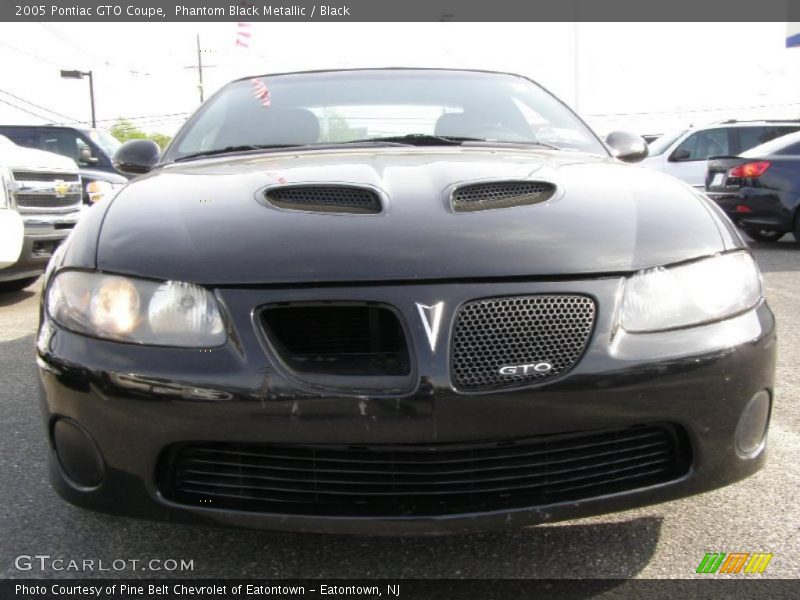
[[742, 124], [384, 69]]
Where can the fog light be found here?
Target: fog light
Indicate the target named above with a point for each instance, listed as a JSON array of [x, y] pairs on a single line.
[[751, 432], [77, 453]]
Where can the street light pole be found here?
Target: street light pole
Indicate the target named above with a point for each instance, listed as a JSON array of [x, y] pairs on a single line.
[[81, 75], [91, 99]]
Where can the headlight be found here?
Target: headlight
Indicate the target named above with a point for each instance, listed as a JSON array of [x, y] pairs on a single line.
[[691, 294], [134, 310], [102, 190]]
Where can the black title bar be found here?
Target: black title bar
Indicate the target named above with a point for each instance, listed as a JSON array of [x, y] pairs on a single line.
[[399, 10]]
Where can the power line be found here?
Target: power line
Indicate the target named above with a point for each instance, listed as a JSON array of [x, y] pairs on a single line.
[[691, 110], [147, 117], [39, 106], [30, 54], [25, 110]]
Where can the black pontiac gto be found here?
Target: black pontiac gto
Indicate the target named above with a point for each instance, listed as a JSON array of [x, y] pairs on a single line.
[[399, 301]]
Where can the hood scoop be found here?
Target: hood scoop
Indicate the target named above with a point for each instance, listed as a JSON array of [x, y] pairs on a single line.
[[500, 194], [337, 199]]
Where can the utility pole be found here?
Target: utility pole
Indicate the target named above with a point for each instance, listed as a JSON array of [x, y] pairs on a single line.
[[200, 68]]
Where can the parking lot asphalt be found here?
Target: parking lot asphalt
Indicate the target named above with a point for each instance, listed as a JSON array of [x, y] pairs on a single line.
[[761, 513]]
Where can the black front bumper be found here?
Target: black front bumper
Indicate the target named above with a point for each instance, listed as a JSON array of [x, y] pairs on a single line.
[[138, 402]]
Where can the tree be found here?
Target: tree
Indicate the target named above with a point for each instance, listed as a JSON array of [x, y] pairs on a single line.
[[124, 130]]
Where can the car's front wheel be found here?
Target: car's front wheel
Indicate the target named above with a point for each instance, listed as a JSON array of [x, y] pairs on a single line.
[[764, 235], [17, 284]]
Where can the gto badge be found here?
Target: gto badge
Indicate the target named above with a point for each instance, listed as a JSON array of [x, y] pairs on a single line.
[[542, 367], [431, 320]]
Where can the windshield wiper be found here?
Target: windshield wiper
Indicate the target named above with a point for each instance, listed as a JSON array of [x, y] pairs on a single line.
[[419, 139], [230, 149], [422, 139]]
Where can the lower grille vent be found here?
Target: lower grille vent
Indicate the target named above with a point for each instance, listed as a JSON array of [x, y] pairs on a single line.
[[338, 339], [411, 480], [507, 194], [47, 200], [328, 199]]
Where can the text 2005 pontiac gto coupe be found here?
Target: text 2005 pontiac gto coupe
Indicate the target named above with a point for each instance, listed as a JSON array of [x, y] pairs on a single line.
[[399, 301]]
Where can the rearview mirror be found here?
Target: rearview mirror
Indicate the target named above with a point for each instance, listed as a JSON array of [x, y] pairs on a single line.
[[627, 146], [86, 156], [137, 157]]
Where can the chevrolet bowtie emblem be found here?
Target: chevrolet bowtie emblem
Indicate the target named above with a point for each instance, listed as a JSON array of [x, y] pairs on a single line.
[[431, 320], [61, 187]]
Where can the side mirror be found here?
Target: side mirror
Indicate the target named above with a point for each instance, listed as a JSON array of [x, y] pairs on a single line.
[[86, 156], [680, 154], [627, 146], [137, 157]]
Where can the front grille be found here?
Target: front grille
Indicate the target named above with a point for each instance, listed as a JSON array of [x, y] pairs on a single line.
[[504, 194], [329, 199], [45, 176], [338, 339], [47, 200], [417, 480], [520, 332]]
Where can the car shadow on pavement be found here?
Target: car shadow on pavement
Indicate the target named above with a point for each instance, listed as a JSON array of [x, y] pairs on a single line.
[[36, 521], [11, 298], [783, 256]]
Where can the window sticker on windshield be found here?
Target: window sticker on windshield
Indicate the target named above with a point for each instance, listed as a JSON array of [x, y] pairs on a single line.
[[261, 92]]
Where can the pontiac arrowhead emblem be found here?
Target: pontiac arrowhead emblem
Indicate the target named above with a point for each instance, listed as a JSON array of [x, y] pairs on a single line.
[[431, 320]]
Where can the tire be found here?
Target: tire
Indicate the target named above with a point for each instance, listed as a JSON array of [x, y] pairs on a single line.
[[17, 284], [768, 236]]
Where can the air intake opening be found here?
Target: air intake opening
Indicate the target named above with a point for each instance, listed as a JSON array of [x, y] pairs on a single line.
[[352, 340], [500, 194], [326, 199], [422, 480]]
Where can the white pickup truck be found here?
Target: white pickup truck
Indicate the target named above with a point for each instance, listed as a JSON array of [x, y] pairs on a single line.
[[40, 203]]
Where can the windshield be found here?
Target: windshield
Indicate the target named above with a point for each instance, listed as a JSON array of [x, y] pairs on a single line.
[[660, 144], [105, 140], [347, 106]]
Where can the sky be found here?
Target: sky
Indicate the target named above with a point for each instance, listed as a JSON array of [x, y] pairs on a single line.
[[644, 77]]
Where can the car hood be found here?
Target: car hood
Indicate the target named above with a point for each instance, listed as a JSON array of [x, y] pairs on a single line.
[[201, 222], [20, 158]]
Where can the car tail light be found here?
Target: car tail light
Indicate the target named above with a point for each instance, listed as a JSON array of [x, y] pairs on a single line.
[[750, 170], [743, 209]]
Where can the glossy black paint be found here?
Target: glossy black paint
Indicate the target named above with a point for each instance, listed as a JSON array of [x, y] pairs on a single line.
[[772, 200], [201, 221], [135, 401], [624, 214]]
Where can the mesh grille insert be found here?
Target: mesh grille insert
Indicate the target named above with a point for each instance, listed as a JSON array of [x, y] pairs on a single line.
[[487, 196], [419, 480], [329, 199], [518, 332]]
